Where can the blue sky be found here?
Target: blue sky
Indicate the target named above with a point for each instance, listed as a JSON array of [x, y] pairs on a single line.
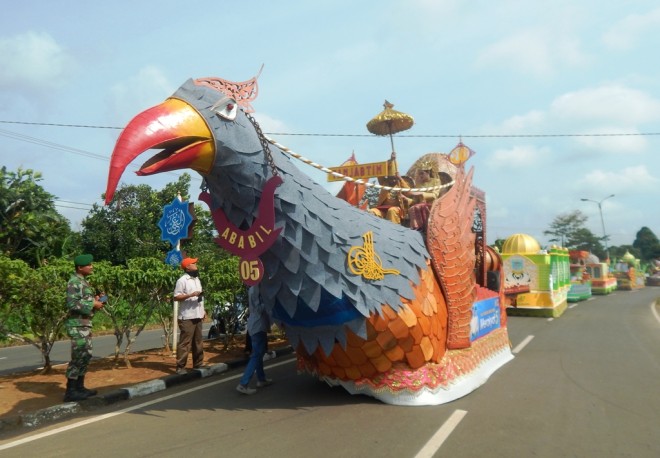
[[537, 89]]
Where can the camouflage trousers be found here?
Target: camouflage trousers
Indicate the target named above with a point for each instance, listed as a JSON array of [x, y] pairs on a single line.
[[81, 350]]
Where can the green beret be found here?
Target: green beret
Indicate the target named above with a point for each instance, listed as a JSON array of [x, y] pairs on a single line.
[[83, 260]]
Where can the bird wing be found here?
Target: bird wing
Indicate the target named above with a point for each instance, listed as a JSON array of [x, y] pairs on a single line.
[[310, 286], [450, 241]]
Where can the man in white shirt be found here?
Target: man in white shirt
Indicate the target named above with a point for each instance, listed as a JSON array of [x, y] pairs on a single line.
[[188, 292]]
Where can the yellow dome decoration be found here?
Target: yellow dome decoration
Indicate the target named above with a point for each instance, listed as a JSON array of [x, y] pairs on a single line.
[[521, 244], [628, 258]]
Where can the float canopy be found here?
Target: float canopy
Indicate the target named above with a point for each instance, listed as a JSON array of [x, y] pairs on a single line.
[[521, 244]]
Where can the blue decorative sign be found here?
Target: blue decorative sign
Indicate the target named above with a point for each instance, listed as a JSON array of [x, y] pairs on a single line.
[[485, 317], [177, 220], [174, 258]]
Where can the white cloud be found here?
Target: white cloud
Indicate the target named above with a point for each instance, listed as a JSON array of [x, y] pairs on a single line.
[[601, 140], [527, 123], [33, 61], [517, 157], [270, 124], [147, 88], [613, 103], [537, 52], [626, 33], [598, 112], [605, 110], [637, 179]]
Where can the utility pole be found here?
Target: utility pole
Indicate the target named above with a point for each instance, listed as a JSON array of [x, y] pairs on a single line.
[[602, 221]]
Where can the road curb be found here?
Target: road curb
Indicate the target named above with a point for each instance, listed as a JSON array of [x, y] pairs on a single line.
[[60, 411]]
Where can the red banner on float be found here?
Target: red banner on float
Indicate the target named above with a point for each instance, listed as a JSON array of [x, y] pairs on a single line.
[[248, 244]]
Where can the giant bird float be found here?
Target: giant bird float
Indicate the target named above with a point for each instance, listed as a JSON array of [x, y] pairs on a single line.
[[369, 305]]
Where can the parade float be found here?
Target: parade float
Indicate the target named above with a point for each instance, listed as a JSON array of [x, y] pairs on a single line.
[[654, 274], [602, 281], [628, 273], [580, 289], [405, 316], [536, 282]]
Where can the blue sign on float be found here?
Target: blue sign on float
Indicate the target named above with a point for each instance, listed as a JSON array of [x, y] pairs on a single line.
[[177, 220], [174, 258], [485, 317]]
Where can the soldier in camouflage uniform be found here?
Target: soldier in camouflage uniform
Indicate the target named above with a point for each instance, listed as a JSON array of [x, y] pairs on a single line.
[[81, 302]]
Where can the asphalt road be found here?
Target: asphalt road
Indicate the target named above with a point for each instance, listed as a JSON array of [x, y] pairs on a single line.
[[27, 357], [586, 384]]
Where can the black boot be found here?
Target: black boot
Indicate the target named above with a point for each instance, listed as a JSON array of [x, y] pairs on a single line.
[[72, 393], [81, 387]]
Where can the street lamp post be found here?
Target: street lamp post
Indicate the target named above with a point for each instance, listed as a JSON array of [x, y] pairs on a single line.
[[602, 222]]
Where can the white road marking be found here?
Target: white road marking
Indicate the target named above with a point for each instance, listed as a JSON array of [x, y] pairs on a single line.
[[435, 442], [551, 319], [572, 306], [522, 344], [655, 312], [3, 357], [591, 299], [91, 420]]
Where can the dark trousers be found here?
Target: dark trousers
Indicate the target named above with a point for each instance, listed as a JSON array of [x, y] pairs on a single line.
[[190, 339]]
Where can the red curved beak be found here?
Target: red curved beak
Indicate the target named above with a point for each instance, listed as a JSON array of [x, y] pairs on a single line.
[[173, 126]]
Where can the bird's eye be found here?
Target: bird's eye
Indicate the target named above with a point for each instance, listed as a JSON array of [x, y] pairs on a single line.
[[226, 108]]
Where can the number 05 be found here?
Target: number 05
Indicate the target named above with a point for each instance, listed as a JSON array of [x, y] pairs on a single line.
[[251, 271]]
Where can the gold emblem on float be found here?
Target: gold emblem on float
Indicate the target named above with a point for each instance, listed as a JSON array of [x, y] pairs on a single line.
[[363, 260]]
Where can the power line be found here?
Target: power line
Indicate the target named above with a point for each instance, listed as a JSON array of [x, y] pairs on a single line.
[[623, 134], [58, 125], [611, 134], [48, 144], [68, 149], [75, 208], [75, 203]]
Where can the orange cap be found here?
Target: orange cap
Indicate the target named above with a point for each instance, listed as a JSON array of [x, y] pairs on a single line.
[[186, 262]]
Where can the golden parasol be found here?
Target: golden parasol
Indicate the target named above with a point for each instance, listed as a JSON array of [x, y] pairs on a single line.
[[389, 122]]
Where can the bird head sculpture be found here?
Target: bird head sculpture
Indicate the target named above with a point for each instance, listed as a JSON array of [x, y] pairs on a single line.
[[363, 301]]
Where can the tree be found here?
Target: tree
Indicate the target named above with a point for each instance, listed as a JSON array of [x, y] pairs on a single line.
[[648, 245], [47, 308], [584, 239], [16, 278], [564, 226], [30, 227], [568, 230], [222, 285], [135, 291], [201, 245], [499, 243], [34, 303], [127, 228], [617, 252]]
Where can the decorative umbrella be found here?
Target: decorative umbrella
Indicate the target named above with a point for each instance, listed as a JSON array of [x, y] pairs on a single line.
[[389, 122]]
